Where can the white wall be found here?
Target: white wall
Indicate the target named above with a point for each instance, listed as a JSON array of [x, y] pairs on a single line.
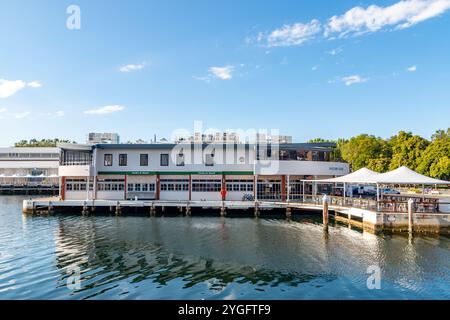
[[312, 168], [75, 171], [133, 160]]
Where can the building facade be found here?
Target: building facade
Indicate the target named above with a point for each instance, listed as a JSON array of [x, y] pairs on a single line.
[[95, 138], [192, 171], [29, 167]]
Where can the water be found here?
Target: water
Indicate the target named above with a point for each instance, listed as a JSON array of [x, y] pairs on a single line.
[[210, 258]]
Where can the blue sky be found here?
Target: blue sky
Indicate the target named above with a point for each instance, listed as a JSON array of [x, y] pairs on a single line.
[[141, 68]]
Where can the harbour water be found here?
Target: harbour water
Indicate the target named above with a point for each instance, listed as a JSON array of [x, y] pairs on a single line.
[[138, 257]]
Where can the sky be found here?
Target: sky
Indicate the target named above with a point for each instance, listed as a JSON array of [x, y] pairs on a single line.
[[310, 69]]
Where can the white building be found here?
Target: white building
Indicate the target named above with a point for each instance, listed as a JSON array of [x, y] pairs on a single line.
[[193, 171], [95, 138], [29, 167]]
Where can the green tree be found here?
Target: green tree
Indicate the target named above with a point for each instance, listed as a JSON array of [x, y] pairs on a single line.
[[435, 161], [366, 151], [318, 140], [406, 150], [41, 143]]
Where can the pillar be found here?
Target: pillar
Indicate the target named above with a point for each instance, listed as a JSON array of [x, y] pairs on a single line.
[[125, 189], [283, 188], [410, 215], [158, 187], [62, 188], [190, 187], [224, 188], [325, 210]]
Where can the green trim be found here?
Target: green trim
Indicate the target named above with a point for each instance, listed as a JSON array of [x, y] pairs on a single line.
[[143, 173]]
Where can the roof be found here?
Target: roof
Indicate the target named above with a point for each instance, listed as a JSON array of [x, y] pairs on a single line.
[[363, 175], [322, 146], [402, 175]]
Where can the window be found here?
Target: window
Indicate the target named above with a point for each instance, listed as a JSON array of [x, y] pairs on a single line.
[[209, 160], [110, 184], [144, 160], [130, 187], [174, 185], [122, 160], [137, 187], [164, 160], [108, 160], [204, 185], [180, 160]]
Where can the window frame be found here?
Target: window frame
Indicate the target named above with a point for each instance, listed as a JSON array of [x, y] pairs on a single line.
[[123, 156], [105, 163]]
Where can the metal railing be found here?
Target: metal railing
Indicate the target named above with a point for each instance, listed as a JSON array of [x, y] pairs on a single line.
[[419, 206]]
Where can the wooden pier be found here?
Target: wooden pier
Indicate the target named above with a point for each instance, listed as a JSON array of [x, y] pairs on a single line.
[[362, 214]]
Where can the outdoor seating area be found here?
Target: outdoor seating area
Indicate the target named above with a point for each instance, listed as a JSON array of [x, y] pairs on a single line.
[[384, 198]]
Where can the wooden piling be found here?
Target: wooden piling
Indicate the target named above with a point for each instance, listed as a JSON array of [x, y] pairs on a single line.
[[410, 215], [325, 210], [288, 212]]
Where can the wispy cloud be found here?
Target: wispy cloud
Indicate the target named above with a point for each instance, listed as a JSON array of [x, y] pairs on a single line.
[[105, 110], [356, 21], [335, 51], [132, 67], [10, 87], [400, 15], [293, 35], [224, 73], [21, 115], [59, 113], [3, 110], [412, 69], [34, 84], [354, 79]]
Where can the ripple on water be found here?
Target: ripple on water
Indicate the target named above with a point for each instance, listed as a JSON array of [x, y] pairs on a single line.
[[210, 258]]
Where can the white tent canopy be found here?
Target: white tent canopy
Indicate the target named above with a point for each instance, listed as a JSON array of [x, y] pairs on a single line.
[[402, 175], [363, 176]]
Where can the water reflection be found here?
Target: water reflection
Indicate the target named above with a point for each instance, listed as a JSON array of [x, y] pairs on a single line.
[[216, 258]]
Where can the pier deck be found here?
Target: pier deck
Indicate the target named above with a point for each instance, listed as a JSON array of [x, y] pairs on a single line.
[[366, 218]]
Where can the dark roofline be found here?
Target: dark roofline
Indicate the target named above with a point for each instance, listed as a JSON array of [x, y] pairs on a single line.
[[320, 146]]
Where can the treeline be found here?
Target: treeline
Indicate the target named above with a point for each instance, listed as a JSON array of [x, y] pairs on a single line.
[[41, 143], [429, 157]]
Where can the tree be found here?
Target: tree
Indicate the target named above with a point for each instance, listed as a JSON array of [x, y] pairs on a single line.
[[318, 140], [42, 143], [406, 150], [435, 161], [366, 151]]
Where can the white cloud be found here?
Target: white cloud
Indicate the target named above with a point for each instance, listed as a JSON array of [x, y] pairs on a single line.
[[412, 69], [350, 80], [105, 110], [335, 51], [59, 113], [293, 35], [400, 15], [131, 67], [10, 87], [34, 84], [21, 115], [224, 73], [315, 68], [3, 110]]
